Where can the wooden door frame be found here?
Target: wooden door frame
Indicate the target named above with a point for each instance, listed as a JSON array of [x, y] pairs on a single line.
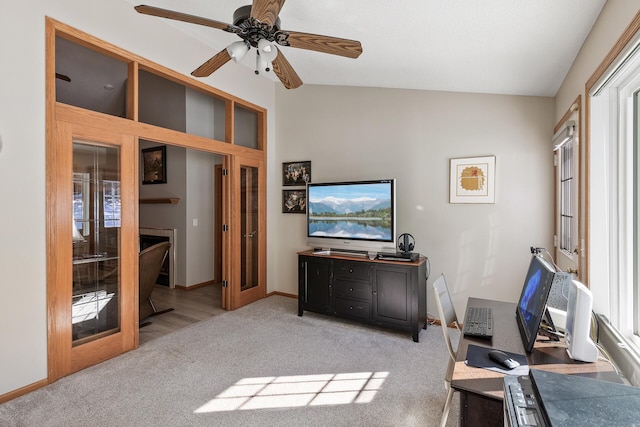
[[217, 224]]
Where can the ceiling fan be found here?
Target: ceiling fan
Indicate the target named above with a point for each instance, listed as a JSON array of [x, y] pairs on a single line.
[[258, 26]]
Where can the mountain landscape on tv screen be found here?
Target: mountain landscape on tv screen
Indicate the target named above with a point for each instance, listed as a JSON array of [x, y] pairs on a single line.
[[332, 206]]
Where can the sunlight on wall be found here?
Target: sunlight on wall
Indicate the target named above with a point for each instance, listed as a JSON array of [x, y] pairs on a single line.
[[297, 390]]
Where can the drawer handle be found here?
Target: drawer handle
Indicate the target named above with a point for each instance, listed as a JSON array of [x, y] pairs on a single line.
[[350, 307], [351, 270], [350, 289]]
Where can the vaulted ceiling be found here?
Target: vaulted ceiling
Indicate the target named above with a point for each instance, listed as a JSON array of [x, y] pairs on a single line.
[[518, 47]]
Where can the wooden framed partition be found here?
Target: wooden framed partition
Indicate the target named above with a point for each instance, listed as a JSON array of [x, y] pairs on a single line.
[[67, 123]]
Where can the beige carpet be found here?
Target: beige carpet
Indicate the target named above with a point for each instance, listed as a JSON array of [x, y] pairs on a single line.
[[260, 365]]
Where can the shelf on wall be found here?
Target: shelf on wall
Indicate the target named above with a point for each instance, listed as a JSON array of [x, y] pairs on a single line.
[[167, 200]]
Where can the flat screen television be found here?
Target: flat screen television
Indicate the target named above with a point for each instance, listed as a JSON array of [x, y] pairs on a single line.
[[358, 216], [532, 304]]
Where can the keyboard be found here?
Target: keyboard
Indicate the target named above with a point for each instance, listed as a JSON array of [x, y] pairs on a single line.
[[521, 402], [478, 322]]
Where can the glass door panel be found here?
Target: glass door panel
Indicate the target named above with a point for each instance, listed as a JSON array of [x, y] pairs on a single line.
[[249, 227], [95, 307], [247, 271]]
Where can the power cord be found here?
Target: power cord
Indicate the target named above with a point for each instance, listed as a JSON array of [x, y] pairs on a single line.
[[607, 358]]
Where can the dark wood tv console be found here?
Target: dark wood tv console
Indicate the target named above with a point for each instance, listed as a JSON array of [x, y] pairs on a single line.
[[385, 293]]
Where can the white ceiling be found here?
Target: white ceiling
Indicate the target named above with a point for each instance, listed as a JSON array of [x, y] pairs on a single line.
[[520, 47]]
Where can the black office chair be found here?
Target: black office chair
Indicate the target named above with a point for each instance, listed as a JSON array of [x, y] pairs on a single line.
[[150, 260]]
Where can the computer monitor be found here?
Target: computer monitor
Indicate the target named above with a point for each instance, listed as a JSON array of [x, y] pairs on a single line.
[[532, 304]]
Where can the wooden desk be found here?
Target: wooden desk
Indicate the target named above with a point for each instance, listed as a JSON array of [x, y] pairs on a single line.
[[481, 390]]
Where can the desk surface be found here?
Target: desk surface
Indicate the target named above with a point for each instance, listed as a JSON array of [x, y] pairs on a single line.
[[548, 356]]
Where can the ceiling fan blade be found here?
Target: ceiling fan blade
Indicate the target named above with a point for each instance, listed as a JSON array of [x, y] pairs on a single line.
[[285, 72], [178, 16], [266, 11], [212, 64], [325, 44]]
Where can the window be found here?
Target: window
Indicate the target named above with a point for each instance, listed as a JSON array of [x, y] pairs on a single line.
[[567, 238], [111, 200], [81, 202], [567, 165], [614, 193], [565, 147]]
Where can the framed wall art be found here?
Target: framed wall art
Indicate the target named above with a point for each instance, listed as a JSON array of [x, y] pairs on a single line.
[[154, 165], [294, 201], [296, 173], [472, 180]]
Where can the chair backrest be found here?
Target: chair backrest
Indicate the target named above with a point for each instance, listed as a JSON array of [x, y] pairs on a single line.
[[150, 260], [446, 312]]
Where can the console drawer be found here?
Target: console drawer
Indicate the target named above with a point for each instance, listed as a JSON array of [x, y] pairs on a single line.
[[350, 289], [352, 270], [353, 308]]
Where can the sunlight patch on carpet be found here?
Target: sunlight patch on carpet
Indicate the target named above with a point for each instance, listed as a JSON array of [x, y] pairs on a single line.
[[297, 390]]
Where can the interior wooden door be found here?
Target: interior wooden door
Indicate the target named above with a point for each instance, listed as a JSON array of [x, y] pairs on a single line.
[[249, 232], [91, 247]]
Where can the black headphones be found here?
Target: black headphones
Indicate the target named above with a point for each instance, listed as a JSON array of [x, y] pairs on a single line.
[[406, 242]]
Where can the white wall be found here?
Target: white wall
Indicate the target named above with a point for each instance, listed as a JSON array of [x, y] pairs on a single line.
[[199, 201], [169, 215], [23, 323], [190, 179], [365, 133]]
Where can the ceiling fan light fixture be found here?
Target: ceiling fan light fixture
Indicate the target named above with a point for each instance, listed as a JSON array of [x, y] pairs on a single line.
[[267, 50], [237, 50]]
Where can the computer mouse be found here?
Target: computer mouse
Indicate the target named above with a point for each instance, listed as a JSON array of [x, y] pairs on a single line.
[[503, 359]]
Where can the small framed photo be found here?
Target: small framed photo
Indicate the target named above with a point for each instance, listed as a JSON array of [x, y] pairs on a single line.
[[294, 201], [154, 165], [472, 180], [296, 173]]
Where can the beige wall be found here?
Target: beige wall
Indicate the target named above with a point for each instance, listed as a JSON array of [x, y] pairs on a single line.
[[366, 133], [614, 18]]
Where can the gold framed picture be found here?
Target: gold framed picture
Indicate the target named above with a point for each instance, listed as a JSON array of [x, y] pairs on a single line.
[[472, 180]]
